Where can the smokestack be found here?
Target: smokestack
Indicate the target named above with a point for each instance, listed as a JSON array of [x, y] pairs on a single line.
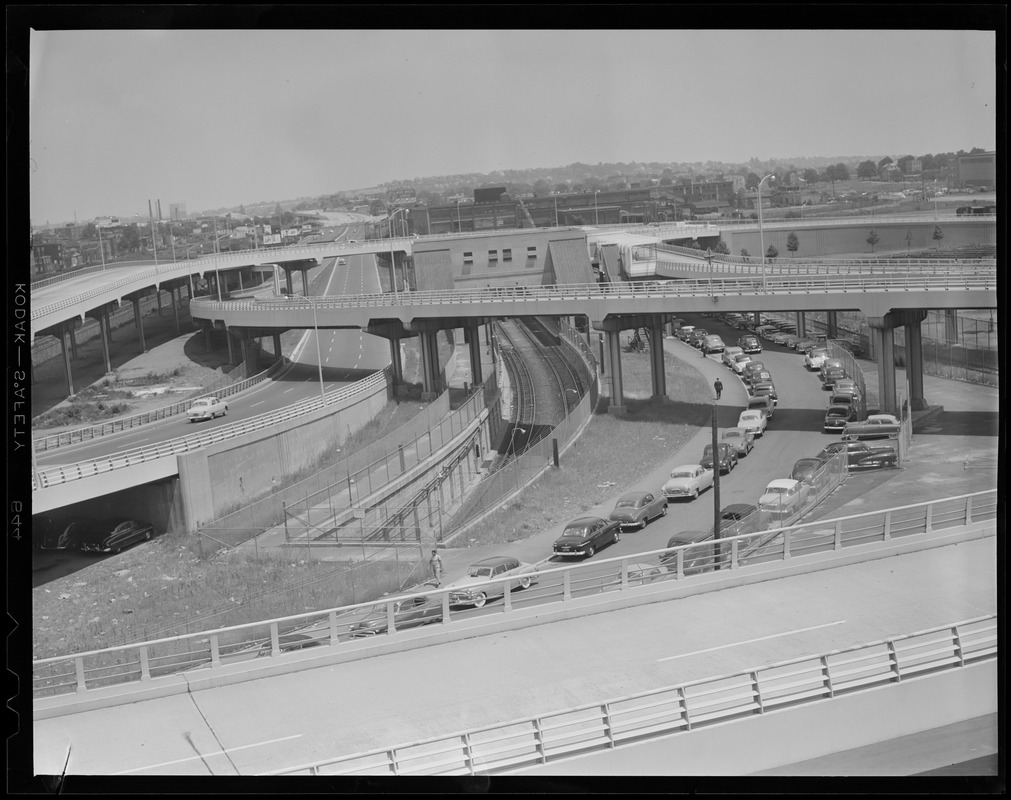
[[150, 214], [159, 209]]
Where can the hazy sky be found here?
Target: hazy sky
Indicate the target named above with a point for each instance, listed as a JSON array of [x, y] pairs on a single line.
[[218, 118]]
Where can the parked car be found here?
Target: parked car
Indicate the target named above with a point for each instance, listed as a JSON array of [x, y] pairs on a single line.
[[728, 355], [740, 518], [765, 331], [727, 457], [806, 469], [207, 408], [831, 375], [741, 439], [696, 559], [751, 377], [697, 337], [114, 536], [783, 497], [754, 421], [804, 344], [815, 358], [791, 341], [828, 364], [637, 509], [764, 389], [410, 612], [712, 344], [837, 416], [472, 591], [585, 536], [762, 403], [688, 480], [843, 399], [847, 386], [750, 344], [741, 360], [684, 332], [752, 366], [876, 426], [779, 337], [289, 642], [861, 456]]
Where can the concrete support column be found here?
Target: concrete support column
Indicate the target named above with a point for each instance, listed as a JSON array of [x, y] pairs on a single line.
[[277, 345], [883, 339], [157, 295], [68, 374], [73, 342], [396, 362], [474, 350], [617, 407], [801, 324], [658, 375], [228, 339], [207, 338], [950, 325], [175, 306], [305, 282], [139, 320], [288, 282], [240, 280], [106, 327], [429, 365], [914, 367], [831, 325]]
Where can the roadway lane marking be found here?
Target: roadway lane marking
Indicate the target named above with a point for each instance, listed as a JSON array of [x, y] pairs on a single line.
[[207, 755], [260, 403], [751, 641]]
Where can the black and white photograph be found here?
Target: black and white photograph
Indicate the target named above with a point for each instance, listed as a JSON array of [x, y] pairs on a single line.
[[358, 424]]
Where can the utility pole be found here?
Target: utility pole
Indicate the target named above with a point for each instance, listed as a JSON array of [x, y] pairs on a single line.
[[716, 492]]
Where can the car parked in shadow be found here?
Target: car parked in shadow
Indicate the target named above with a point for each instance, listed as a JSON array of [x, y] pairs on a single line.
[[115, 536]]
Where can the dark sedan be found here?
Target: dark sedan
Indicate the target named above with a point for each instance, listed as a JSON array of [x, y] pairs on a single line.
[[637, 509], [585, 536], [727, 457], [407, 613], [112, 537], [861, 456]]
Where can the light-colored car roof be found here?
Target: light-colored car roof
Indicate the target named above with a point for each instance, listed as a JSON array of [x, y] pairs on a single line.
[[493, 560], [784, 483], [687, 466], [737, 431]]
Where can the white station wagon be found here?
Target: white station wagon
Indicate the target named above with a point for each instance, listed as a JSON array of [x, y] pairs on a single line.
[[473, 589], [207, 408]]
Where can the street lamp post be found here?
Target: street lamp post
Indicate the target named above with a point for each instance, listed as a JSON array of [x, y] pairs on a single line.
[[709, 257], [459, 225], [596, 215], [512, 447], [761, 232], [101, 249]]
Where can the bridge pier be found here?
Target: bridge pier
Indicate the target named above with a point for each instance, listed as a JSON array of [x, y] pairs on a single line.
[[801, 324], [831, 325], [658, 374], [139, 321], [67, 372], [101, 316], [883, 344], [472, 336]]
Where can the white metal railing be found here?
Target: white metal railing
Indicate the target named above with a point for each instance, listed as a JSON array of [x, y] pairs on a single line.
[[333, 627], [659, 289], [45, 477], [682, 708]]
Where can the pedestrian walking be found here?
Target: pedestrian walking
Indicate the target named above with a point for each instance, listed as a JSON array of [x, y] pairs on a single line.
[[435, 562], [718, 386]]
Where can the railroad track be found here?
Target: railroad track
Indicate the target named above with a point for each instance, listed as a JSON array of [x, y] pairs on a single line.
[[546, 382]]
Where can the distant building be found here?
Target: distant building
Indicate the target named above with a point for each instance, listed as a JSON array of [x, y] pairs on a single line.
[[978, 170], [177, 211]]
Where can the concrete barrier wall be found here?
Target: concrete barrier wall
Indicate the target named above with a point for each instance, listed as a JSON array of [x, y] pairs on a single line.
[[227, 473], [789, 736], [828, 241]]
